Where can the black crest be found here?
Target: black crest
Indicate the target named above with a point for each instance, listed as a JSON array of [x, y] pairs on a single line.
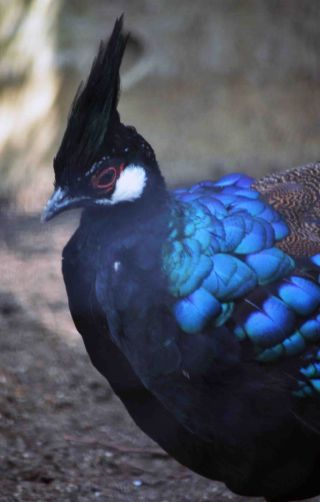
[[94, 110]]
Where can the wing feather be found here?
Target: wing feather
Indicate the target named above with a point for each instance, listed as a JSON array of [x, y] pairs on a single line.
[[236, 258]]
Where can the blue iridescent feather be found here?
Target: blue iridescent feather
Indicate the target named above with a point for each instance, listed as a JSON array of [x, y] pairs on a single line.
[[219, 246], [222, 249]]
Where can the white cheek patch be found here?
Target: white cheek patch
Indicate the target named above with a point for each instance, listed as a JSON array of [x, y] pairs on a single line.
[[129, 186]]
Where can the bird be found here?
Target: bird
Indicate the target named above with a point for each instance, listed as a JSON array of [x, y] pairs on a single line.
[[199, 305]]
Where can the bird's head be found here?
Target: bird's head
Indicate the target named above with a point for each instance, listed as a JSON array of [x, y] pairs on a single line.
[[101, 162]]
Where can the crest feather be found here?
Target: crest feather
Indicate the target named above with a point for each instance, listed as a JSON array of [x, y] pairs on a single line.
[[94, 110]]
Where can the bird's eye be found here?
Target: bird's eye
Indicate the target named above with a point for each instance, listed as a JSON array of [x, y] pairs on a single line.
[[105, 179]]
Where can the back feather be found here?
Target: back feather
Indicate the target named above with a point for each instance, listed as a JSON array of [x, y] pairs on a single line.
[[295, 195]]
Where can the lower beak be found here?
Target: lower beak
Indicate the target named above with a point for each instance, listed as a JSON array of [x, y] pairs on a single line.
[[60, 201]]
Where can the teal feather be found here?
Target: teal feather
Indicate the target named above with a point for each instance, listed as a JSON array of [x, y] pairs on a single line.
[[211, 224], [222, 247]]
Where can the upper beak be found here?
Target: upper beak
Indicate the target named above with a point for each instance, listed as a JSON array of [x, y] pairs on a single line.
[[59, 201]]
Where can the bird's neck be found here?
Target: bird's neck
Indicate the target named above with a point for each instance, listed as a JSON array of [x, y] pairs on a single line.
[[129, 218]]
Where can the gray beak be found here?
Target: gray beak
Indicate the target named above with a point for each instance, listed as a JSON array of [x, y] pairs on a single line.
[[59, 201]]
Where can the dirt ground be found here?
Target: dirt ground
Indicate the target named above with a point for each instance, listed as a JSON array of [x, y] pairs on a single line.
[[64, 435]]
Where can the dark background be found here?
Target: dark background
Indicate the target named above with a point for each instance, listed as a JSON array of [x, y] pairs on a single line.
[[214, 86]]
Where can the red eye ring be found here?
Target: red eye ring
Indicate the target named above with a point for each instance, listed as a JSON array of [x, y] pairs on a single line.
[[97, 179]]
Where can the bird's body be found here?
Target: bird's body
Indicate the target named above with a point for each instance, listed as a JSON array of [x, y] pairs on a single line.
[[200, 306]]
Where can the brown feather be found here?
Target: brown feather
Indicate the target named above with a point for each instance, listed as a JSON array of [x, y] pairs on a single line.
[[295, 194]]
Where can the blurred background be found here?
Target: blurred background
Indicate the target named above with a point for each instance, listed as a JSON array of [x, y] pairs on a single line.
[[215, 86]]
